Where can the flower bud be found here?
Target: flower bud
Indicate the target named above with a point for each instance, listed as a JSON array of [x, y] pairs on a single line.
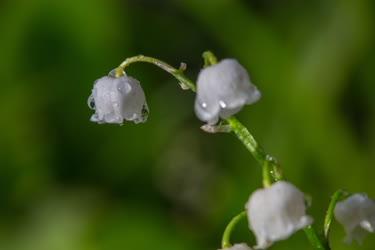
[[117, 99], [222, 90], [357, 215], [241, 246], [276, 212]]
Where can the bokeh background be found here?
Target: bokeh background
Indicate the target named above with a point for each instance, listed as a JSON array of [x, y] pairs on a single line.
[[69, 184]]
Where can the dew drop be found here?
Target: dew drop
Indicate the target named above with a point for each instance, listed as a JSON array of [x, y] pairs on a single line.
[[91, 102], [143, 116], [124, 88], [367, 226], [222, 104], [204, 105], [118, 119]]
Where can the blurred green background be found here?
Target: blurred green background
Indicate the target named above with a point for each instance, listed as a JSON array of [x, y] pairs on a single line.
[[69, 184]]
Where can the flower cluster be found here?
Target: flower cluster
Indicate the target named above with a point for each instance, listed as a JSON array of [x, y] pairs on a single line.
[[222, 90], [274, 212]]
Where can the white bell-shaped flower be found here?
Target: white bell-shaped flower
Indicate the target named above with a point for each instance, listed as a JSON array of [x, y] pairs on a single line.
[[357, 215], [222, 90], [116, 99], [276, 212], [240, 246]]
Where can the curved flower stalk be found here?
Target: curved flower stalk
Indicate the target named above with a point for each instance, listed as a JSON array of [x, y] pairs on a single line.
[[336, 197], [225, 242], [276, 212], [357, 215], [222, 90], [118, 99]]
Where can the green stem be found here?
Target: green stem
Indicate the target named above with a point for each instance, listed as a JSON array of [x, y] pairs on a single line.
[[316, 240], [209, 59], [248, 140], [242, 133], [185, 82], [225, 242], [267, 162], [240, 130], [271, 169], [336, 197]]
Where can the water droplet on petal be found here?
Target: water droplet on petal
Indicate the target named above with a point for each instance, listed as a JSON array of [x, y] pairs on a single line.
[[204, 105], [118, 119], [91, 102], [222, 104], [367, 226], [124, 88], [145, 112], [144, 115], [94, 118]]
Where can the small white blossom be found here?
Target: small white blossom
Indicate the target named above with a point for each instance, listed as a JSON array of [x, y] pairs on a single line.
[[276, 212], [241, 246], [357, 215], [117, 99], [222, 90]]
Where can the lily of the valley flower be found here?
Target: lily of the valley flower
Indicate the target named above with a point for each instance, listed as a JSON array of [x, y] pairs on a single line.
[[357, 215], [222, 90], [241, 246], [117, 99], [276, 212]]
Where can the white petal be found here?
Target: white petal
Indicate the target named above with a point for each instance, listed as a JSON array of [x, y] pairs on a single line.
[[134, 103], [207, 111], [357, 215], [118, 99], [241, 246], [222, 90], [276, 212]]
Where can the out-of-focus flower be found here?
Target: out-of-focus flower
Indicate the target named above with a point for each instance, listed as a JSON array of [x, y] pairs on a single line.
[[116, 99], [222, 90], [357, 215], [241, 246], [276, 212]]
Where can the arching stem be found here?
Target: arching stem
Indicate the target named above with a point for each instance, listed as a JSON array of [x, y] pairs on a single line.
[[185, 82], [336, 197], [225, 242], [271, 169]]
